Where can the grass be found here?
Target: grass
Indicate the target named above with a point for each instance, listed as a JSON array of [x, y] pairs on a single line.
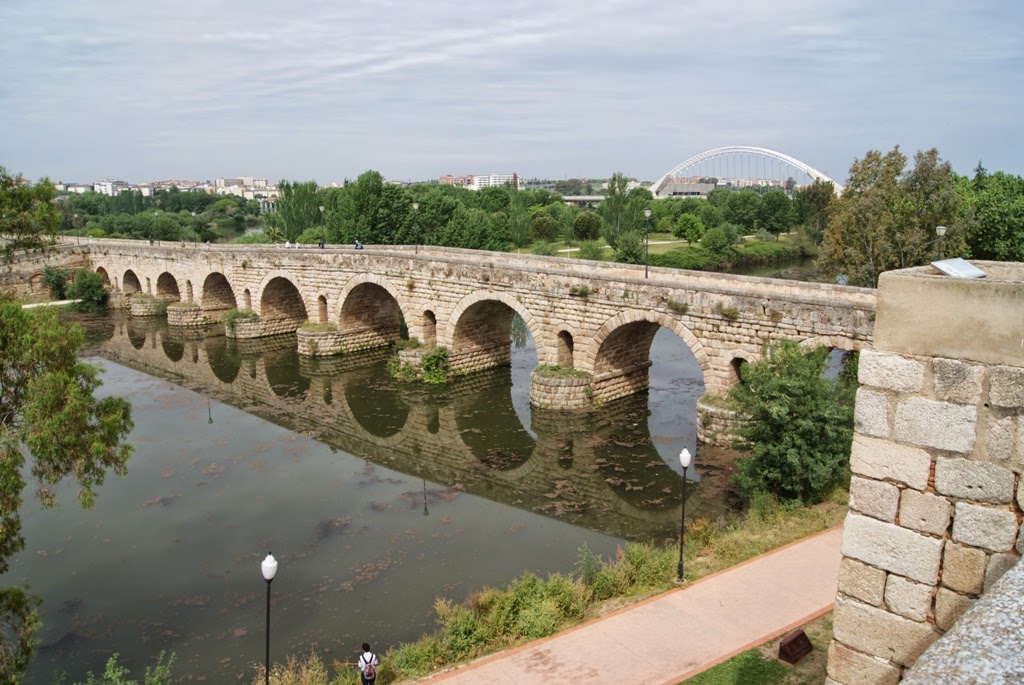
[[761, 666]]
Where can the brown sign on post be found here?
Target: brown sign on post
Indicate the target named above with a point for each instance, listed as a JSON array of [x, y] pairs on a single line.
[[794, 647]]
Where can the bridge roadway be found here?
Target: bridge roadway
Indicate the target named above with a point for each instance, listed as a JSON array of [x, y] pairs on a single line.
[[598, 318]]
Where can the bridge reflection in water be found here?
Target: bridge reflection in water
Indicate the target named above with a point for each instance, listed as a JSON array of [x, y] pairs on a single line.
[[602, 471]]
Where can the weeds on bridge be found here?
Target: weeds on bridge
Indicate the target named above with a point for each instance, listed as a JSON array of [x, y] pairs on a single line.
[[233, 316]]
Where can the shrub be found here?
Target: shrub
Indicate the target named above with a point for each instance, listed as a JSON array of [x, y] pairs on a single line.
[[630, 248], [800, 428], [89, 290], [543, 227], [435, 366], [116, 674], [56, 281], [544, 249], [695, 258], [580, 290], [552, 371], [233, 316], [591, 249], [587, 226]]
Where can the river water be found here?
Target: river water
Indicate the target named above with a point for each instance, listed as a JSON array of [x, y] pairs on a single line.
[[376, 498]]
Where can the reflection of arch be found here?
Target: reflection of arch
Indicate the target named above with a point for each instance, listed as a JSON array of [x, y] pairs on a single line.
[[217, 295], [480, 330], [167, 287], [616, 346], [376, 407], [281, 367], [223, 358], [106, 277], [173, 349], [281, 307], [480, 416], [130, 282]]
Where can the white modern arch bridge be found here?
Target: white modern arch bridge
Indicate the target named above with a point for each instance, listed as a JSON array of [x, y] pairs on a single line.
[[740, 161]]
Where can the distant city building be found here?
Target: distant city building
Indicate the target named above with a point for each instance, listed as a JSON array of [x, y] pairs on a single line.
[[478, 182]]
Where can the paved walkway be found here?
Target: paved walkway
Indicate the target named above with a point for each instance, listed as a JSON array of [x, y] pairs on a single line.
[[682, 632]]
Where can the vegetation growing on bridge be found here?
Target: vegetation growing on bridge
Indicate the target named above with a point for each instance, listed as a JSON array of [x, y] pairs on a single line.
[[233, 316]]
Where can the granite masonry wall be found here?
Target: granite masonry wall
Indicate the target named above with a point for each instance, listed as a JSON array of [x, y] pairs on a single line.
[[938, 450]]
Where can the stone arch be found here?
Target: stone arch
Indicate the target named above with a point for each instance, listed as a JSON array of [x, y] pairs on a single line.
[[370, 313], [217, 295], [428, 328], [130, 282], [619, 354], [189, 296], [282, 308], [564, 350], [167, 287], [321, 309], [479, 330], [104, 275], [247, 300]]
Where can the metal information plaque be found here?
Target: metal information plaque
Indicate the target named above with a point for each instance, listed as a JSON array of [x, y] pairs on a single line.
[[958, 268]]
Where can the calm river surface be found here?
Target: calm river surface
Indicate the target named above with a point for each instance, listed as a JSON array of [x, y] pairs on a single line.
[[376, 498]]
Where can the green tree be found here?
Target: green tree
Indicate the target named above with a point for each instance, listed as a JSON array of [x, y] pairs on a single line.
[[50, 416], [994, 204], [543, 227], [591, 249], [89, 290], [813, 208], [776, 212], [719, 239], [298, 207], [630, 248], [801, 424], [28, 217], [587, 226], [55, 279], [518, 220], [689, 227], [886, 217], [743, 209], [615, 210]]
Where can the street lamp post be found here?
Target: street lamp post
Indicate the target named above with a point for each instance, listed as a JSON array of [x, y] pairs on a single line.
[[269, 568], [323, 229], [647, 240], [940, 231], [684, 461], [194, 243], [415, 224]]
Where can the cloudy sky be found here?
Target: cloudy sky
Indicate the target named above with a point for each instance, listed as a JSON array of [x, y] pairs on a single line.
[[148, 90]]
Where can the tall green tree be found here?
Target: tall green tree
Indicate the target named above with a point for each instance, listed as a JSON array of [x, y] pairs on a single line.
[[298, 207], [587, 226], [886, 216], [28, 217], [615, 210], [813, 207], [994, 205], [518, 220], [800, 427], [776, 212], [49, 415], [689, 228]]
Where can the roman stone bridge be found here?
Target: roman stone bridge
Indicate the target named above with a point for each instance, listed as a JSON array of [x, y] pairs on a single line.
[[596, 318]]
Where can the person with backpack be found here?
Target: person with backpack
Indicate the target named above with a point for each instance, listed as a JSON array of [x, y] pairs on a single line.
[[367, 665]]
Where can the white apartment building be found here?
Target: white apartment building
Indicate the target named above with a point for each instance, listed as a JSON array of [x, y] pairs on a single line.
[[494, 180]]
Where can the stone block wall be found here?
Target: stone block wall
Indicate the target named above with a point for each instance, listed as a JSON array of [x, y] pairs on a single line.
[[186, 315], [561, 394], [936, 494]]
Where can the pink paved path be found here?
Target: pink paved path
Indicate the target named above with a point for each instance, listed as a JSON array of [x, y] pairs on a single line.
[[682, 632]]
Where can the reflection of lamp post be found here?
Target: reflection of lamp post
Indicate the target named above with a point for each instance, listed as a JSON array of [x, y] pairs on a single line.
[[415, 224], [647, 239], [684, 461], [269, 568], [425, 511], [209, 412], [940, 231]]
